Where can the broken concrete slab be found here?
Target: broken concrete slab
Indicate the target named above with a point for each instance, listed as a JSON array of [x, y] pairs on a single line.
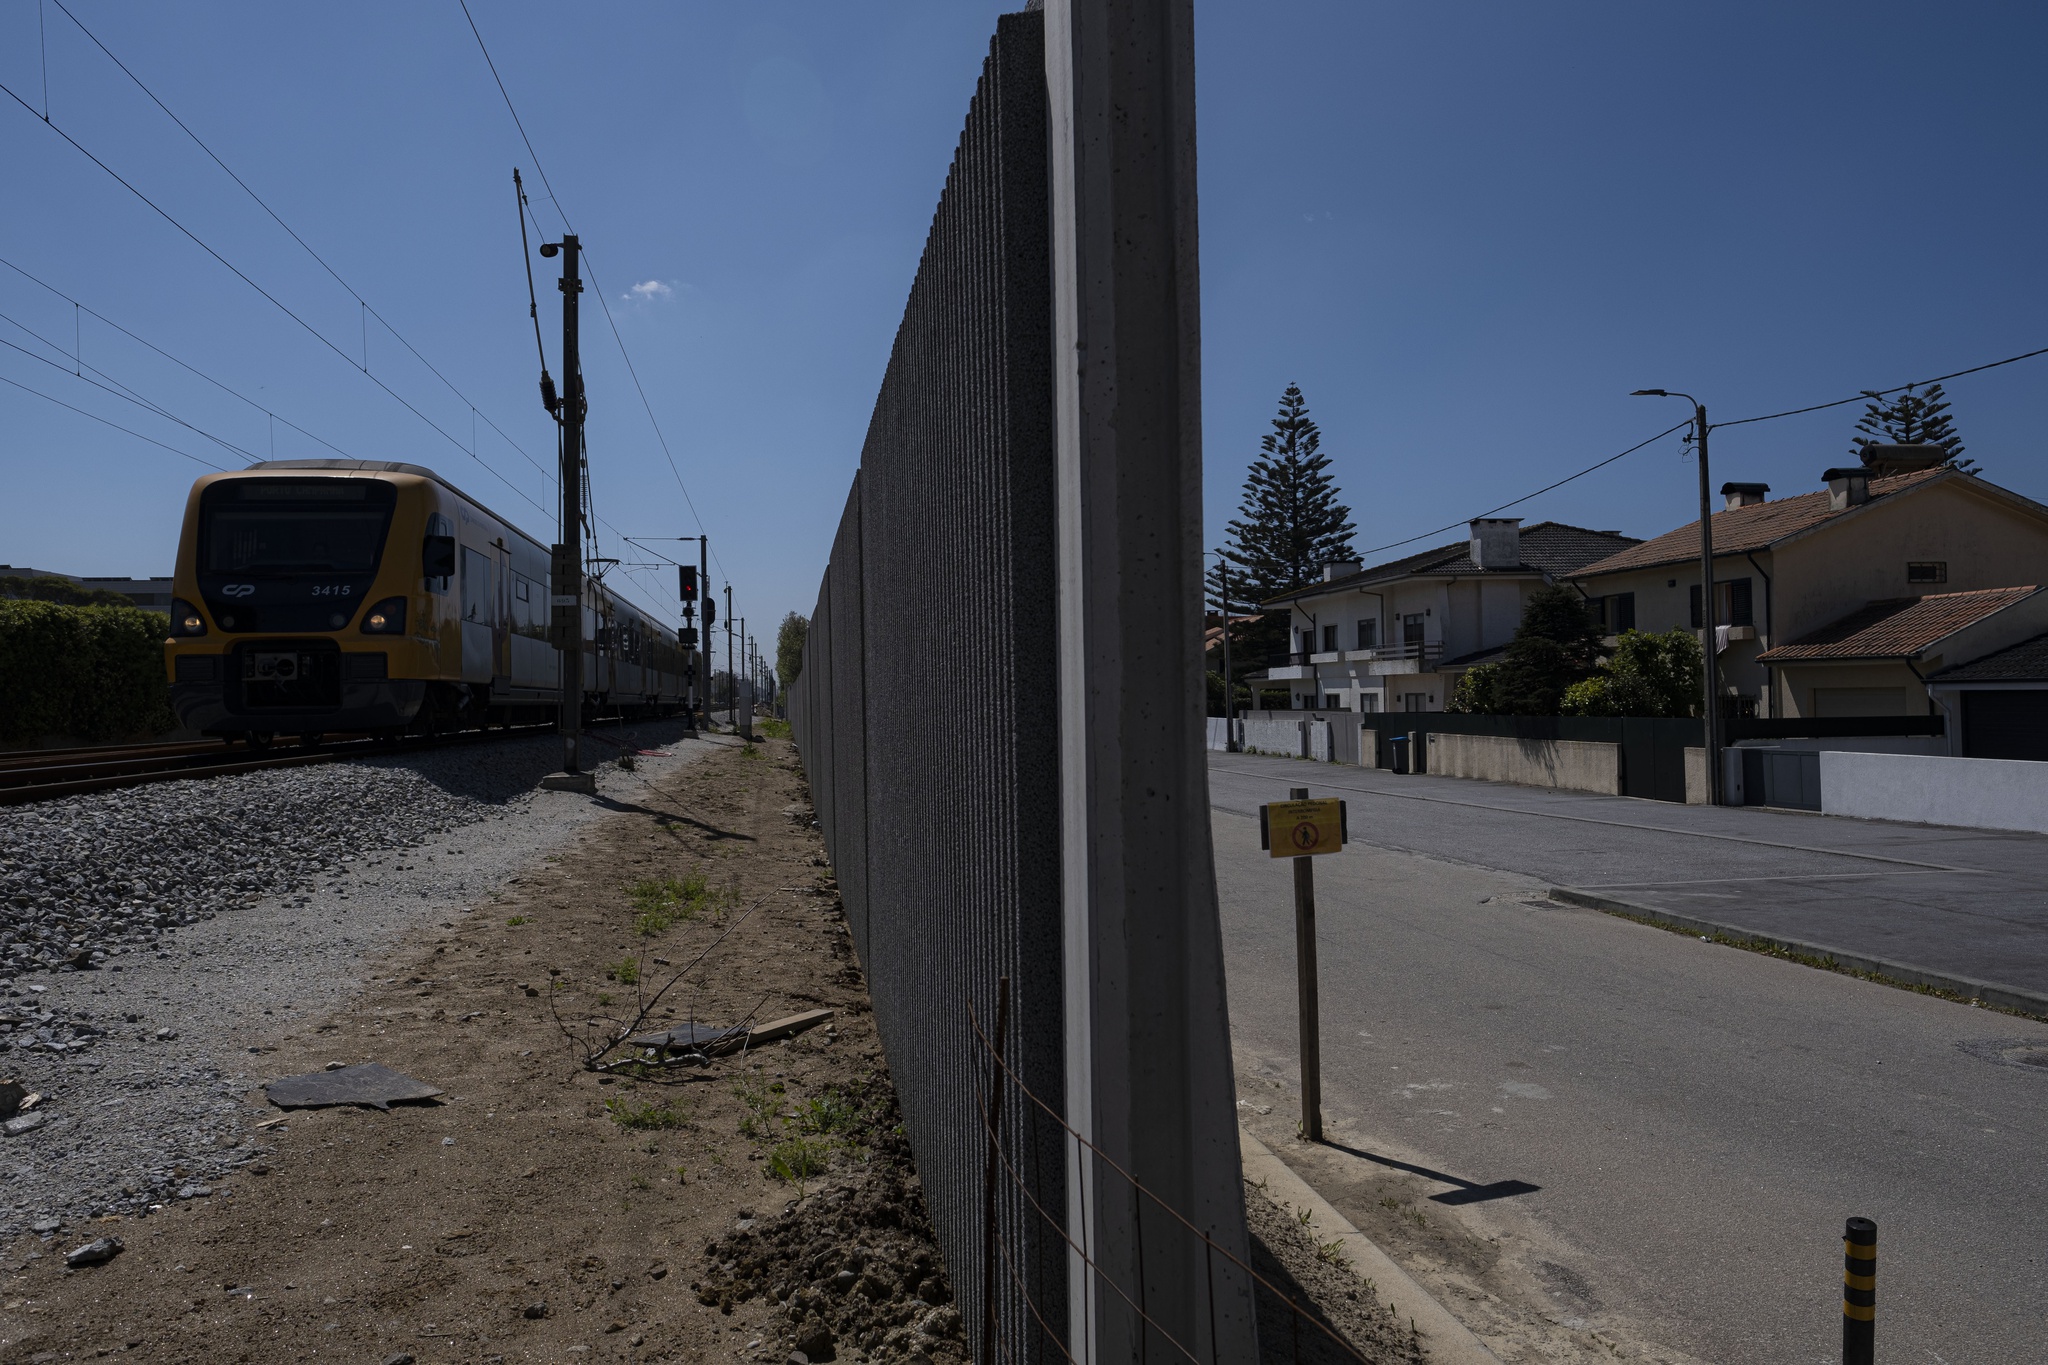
[[370, 1084]]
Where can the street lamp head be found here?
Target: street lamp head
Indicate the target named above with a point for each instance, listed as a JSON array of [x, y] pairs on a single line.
[[1649, 393]]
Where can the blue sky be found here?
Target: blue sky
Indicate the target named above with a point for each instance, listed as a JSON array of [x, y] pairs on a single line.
[[1467, 230]]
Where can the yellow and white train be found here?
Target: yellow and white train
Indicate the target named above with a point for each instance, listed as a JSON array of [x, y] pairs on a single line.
[[331, 596]]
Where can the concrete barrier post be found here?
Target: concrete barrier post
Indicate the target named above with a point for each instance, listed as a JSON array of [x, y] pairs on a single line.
[[1148, 1041]]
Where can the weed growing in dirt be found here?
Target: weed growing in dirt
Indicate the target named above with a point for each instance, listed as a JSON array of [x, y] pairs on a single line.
[[798, 1159], [604, 997], [630, 1113], [828, 1123], [515, 921], [641, 1182], [626, 971], [773, 729], [749, 751], [764, 1106], [665, 901]]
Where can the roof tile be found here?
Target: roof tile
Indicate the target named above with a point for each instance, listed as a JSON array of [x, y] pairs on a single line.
[[1549, 547], [1896, 628], [2026, 661], [1754, 527]]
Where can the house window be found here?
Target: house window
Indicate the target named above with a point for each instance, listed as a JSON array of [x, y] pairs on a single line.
[[1411, 630], [1368, 634], [1732, 603], [1415, 701], [1331, 700], [1369, 702], [1329, 639], [1928, 571]]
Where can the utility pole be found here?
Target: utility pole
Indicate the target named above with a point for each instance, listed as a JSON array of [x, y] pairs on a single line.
[[1711, 673], [703, 654], [732, 682], [566, 602], [743, 716]]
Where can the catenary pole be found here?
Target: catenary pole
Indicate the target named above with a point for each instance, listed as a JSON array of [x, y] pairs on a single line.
[[703, 657], [570, 582]]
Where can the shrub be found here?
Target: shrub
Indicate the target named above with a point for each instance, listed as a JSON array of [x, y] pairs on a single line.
[[89, 672], [1648, 675]]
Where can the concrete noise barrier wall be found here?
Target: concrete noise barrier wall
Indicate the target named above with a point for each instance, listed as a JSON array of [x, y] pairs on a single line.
[[999, 713]]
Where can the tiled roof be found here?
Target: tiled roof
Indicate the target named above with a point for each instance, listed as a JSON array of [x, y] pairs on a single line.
[[1549, 547], [1755, 527], [2026, 661], [1896, 628]]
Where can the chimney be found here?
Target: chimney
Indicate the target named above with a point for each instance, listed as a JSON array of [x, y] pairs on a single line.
[[1743, 494], [1340, 568], [1847, 488], [1497, 542], [1883, 460]]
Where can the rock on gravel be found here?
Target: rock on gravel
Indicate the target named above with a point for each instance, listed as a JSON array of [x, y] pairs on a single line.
[[96, 1252]]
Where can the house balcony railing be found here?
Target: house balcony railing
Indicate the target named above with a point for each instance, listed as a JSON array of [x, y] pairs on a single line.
[[1417, 652]]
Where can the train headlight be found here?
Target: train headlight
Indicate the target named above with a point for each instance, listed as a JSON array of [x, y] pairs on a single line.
[[385, 618], [185, 618]]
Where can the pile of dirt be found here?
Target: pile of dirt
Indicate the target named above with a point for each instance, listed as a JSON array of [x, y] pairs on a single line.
[[854, 1264]]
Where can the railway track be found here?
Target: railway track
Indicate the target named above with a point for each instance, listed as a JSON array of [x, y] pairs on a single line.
[[43, 774]]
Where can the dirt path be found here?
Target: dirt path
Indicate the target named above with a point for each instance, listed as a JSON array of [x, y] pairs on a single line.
[[539, 1211]]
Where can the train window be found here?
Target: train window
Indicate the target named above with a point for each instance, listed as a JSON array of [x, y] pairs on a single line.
[[437, 551], [519, 587], [476, 587]]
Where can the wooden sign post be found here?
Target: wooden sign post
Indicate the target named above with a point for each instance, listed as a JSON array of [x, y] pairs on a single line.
[[1302, 829]]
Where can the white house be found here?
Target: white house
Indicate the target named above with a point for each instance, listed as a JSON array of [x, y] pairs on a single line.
[[1397, 636]]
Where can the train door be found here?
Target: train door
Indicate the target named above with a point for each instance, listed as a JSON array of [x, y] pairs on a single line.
[[479, 616], [501, 620]]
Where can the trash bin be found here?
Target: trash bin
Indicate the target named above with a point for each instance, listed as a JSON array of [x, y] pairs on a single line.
[[1397, 746]]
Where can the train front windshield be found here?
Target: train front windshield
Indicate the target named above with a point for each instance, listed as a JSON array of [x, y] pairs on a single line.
[[291, 527]]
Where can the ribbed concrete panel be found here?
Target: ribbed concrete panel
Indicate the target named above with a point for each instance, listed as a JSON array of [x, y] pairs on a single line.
[[928, 700]]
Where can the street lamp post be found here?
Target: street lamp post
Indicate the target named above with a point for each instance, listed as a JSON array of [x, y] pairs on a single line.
[[1707, 624]]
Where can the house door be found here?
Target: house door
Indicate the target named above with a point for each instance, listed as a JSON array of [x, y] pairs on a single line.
[[1411, 636], [479, 617]]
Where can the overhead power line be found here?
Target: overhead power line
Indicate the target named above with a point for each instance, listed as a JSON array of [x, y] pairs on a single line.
[[1879, 393], [143, 341], [596, 287], [115, 425], [276, 303], [351, 290]]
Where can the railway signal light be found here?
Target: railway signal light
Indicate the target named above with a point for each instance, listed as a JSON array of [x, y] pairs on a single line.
[[687, 575]]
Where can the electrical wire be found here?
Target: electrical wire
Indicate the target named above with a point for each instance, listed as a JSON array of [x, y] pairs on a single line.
[[361, 302], [1395, 544], [310, 329], [596, 287], [115, 425], [116, 389], [1877, 393]]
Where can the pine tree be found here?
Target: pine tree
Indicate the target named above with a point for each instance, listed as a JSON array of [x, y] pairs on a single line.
[[1290, 522], [789, 648], [1912, 419]]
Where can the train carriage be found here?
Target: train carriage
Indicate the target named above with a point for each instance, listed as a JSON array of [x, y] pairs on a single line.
[[330, 596]]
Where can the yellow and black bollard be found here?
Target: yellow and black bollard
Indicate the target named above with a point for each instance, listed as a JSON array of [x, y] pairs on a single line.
[[1859, 1290]]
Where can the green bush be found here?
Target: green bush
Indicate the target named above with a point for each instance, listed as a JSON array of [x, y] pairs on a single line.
[[1648, 675], [91, 673]]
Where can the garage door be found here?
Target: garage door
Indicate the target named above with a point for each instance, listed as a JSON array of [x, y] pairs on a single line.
[[2006, 725]]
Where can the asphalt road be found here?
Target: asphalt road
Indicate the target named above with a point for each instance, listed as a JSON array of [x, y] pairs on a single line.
[[1969, 903], [1664, 1134]]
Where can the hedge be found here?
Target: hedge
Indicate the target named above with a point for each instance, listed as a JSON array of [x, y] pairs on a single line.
[[91, 673]]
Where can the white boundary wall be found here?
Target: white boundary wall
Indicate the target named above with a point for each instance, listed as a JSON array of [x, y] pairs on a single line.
[[1975, 793]]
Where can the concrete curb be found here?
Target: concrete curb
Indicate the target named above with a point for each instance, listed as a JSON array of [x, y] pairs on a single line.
[[1448, 1340], [1990, 992]]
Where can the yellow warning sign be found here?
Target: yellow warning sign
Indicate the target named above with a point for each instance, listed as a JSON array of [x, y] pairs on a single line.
[[1294, 829]]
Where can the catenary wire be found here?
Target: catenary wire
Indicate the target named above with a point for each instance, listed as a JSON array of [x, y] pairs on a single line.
[[102, 317], [310, 329], [116, 388], [596, 287], [361, 302], [115, 425]]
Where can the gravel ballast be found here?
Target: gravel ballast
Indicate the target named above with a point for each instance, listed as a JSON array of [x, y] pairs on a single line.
[[154, 939]]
